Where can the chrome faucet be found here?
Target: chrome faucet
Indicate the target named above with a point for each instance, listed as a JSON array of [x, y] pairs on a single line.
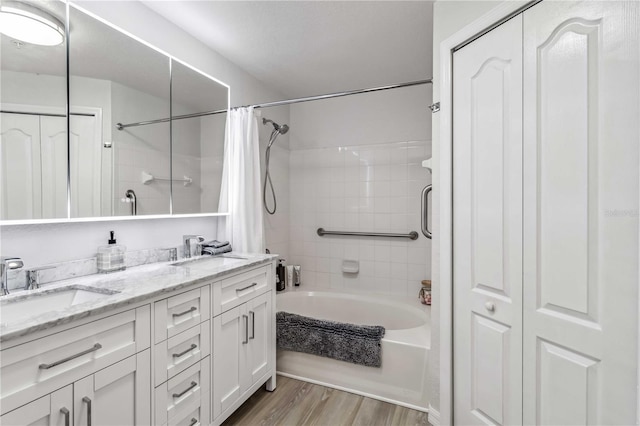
[[191, 249], [33, 277], [7, 263]]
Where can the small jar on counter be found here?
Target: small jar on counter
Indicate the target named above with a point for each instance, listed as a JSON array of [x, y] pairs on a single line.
[[425, 292]]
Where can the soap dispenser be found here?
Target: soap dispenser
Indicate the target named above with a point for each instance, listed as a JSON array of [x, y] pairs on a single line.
[[111, 256]]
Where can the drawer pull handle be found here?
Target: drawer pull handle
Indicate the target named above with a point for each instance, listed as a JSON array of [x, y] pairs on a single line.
[[178, 395], [186, 351], [65, 413], [193, 421], [193, 308], [87, 401], [69, 358], [246, 329], [246, 288], [253, 324]]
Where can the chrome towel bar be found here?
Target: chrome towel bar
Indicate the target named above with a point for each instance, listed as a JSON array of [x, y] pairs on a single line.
[[413, 235]]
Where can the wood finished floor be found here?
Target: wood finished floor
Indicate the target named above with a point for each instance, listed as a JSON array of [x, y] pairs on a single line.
[[301, 403]]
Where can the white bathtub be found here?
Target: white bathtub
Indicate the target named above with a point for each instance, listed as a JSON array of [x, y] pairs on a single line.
[[402, 379]]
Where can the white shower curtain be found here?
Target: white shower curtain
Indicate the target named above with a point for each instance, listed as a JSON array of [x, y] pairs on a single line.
[[240, 190]]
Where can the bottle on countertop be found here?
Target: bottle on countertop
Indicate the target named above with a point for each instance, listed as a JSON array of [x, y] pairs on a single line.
[[281, 273], [111, 256]]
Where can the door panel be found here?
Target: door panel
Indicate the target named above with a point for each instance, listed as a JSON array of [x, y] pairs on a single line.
[[20, 167], [86, 165], [229, 358], [117, 395], [53, 145], [259, 337], [487, 198], [581, 132], [50, 410]]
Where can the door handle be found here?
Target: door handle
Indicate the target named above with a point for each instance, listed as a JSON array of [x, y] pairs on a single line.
[[490, 306], [178, 395], [193, 308], [65, 413], [253, 324], [193, 421], [87, 401], [425, 211], [69, 358], [246, 329], [246, 288], [186, 351]]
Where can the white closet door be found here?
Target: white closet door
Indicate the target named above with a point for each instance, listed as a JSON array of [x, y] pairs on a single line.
[[20, 167], [487, 150], [86, 165], [53, 145], [581, 109]]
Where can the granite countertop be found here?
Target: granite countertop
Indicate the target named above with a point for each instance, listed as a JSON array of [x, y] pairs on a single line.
[[120, 289]]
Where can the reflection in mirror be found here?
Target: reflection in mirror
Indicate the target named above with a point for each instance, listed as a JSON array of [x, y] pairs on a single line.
[[116, 79], [197, 142], [33, 101]]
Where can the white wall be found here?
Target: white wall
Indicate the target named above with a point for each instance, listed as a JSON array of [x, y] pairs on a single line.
[[40, 244], [449, 16], [355, 165]]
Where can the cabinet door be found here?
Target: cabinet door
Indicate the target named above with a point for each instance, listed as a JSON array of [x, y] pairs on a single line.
[[230, 377], [487, 257], [581, 109], [117, 395], [51, 410], [259, 312]]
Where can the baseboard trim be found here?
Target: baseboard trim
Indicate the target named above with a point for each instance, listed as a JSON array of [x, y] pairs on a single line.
[[433, 417], [368, 395]]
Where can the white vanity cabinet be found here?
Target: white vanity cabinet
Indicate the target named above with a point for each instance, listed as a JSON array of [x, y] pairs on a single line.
[[105, 361], [243, 340], [162, 361]]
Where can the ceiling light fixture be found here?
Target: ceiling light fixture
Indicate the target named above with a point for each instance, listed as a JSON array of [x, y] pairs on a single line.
[[30, 24]]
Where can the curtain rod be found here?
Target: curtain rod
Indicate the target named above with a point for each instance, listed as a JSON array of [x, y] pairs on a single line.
[[121, 126]]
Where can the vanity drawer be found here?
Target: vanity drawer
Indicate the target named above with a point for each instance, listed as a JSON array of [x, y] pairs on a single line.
[[234, 291], [179, 352], [36, 368], [180, 312], [180, 395], [193, 415]]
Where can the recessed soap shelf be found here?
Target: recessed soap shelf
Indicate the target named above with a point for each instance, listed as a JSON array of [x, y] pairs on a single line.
[[147, 178]]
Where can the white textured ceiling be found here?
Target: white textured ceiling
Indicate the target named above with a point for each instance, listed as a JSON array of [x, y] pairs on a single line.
[[304, 48]]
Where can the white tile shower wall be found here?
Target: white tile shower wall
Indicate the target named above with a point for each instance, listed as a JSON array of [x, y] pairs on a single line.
[[366, 188]]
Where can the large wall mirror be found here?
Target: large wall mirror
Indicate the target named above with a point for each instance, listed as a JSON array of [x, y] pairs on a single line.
[[146, 131]]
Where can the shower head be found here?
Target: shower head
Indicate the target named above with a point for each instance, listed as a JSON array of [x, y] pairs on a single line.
[[278, 128]]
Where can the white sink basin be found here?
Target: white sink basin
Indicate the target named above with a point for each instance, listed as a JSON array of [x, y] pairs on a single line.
[[209, 261], [32, 305]]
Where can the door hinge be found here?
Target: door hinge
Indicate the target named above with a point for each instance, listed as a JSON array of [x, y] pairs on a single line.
[[434, 107]]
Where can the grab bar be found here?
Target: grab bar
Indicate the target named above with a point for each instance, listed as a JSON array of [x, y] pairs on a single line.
[[425, 211], [413, 235]]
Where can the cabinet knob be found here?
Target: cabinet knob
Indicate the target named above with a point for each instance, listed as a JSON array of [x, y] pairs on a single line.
[[490, 306]]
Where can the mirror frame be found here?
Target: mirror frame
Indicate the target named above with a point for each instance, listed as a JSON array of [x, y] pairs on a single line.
[[69, 219]]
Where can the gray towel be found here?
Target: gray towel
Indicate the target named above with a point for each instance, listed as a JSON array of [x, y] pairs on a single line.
[[215, 244], [358, 344], [213, 251]]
